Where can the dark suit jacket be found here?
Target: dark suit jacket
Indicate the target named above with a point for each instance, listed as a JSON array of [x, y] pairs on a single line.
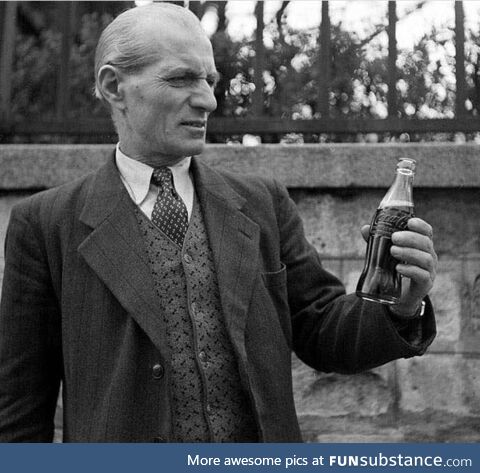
[[79, 306]]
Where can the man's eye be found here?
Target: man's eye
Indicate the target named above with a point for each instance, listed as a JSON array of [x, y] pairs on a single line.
[[188, 81], [181, 81]]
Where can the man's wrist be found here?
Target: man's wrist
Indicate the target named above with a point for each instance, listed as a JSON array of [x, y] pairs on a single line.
[[404, 313]]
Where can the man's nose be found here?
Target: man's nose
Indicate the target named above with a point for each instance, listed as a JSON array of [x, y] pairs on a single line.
[[203, 97]]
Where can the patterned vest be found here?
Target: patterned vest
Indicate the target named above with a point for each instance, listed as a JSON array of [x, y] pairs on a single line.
[[208, 402]]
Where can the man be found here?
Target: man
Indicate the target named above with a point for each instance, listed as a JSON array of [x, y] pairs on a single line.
[[168, 307]]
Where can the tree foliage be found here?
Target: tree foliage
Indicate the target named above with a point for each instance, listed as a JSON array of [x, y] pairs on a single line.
[[358, 86]]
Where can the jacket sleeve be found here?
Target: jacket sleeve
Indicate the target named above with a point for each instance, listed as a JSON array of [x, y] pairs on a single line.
[[333, 331], [30, 353]]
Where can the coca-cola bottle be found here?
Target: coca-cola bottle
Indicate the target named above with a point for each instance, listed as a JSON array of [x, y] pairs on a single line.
[[380, 281]]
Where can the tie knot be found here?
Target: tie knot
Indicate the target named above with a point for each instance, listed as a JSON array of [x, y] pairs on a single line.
[[162, 177]]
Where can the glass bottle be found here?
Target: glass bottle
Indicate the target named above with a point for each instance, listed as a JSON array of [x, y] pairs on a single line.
[[380, 281]]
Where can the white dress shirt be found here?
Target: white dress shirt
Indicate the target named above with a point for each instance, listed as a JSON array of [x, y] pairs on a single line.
[[136, 177]]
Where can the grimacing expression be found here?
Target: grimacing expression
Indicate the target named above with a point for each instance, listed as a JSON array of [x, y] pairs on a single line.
[[167, 103]]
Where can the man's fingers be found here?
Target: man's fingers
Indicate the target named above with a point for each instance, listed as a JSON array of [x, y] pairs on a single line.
[[421, 277], [365, 230], [412, 239], [418, 235], [420, 226], [416, 226], [413, 246], [417, 260], [415, 257]]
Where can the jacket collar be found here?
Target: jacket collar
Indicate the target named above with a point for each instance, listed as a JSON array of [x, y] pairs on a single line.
[[209, 183], [107, 190], [114, 251], [105, 193]]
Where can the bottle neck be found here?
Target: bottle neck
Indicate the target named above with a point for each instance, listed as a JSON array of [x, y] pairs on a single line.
[[400, 193]]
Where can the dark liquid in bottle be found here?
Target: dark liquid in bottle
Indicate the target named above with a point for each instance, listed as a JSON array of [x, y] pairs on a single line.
[[379, 281]]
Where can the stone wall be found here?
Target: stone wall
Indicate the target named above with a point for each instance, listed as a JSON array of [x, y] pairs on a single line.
[[337, 188]]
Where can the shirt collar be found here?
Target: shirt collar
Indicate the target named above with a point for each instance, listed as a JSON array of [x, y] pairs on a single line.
[[137, 175]]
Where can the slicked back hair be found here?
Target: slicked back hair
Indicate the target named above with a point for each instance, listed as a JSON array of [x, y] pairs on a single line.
[[124, 45]]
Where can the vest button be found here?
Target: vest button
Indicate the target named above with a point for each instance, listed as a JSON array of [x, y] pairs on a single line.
[[187, 258], [203, 356], [157, 371]]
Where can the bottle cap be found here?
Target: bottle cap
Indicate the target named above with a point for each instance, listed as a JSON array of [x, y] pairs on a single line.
[[406, 163]]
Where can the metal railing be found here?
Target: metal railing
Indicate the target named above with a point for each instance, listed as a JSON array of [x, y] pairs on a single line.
[[255, 122]]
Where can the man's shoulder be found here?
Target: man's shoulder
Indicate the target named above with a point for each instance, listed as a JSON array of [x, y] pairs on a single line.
[[247, 183], [261, 197], [62, 199]]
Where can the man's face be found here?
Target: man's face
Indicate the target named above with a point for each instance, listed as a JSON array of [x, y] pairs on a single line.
[[167, 103]]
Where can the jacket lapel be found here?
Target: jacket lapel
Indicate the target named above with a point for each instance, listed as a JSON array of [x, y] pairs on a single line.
[[114, 250], [234, 242]]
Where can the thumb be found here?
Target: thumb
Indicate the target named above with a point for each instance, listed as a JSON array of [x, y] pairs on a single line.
[[365, 230]]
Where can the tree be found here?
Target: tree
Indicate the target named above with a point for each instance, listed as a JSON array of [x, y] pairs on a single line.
[[358, 87]]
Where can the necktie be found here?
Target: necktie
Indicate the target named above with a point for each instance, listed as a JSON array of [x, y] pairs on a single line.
[[169, 212]]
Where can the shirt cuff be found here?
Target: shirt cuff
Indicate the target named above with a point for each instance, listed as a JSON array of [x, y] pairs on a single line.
[[409, 327], [416, 315]]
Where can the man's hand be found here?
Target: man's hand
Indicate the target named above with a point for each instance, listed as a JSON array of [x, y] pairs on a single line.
[[418, 263]]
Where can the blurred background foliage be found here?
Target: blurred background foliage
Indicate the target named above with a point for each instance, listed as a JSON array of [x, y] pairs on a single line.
[[425, 88]]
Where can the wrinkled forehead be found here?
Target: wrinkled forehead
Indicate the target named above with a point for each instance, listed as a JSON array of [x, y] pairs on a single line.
[[173, 45], [162, 15], [161, 24]]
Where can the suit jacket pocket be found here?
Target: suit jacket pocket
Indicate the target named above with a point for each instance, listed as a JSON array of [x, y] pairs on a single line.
[[275, 278], [277, 298]]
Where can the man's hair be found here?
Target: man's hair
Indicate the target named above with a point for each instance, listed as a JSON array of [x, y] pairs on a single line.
[[123, 45]]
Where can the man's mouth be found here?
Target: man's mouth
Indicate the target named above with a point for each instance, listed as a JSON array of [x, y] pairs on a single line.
[[195, 123]]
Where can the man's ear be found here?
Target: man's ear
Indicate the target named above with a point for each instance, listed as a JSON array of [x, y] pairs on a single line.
[[109, 81]]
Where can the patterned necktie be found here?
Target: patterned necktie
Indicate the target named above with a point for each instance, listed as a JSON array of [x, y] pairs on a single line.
[[169, 212]]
